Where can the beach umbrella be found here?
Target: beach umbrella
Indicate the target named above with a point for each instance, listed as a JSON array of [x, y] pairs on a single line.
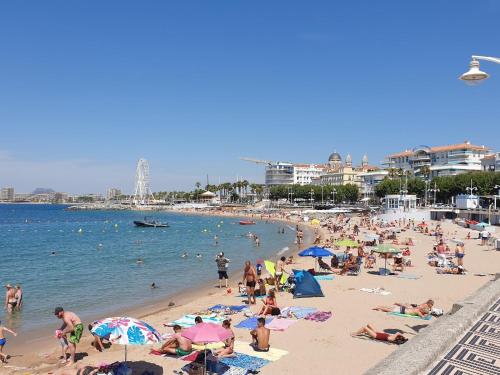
[[206, 333], [315, 251], [346, 243], [315, 222], [386, 249], [126, 331]]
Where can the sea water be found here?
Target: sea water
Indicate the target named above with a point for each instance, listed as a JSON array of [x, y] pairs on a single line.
[[94, 269]]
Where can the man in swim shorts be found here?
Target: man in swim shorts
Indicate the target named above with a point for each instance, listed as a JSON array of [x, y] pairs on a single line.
[[222, 263], [260, 336], [250, 277], [73, 326], [177, 344], [3, 341]]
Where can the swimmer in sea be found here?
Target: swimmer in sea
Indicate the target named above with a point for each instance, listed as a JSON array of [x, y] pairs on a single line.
[[153, 286], [139, 261], [184, 254], [198, 255], [53, 254]]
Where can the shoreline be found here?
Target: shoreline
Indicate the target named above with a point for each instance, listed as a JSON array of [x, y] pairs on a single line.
[[41, 339]]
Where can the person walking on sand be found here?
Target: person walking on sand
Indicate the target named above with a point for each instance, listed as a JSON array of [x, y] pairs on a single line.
[[10, 298], [19, 296], [250, 277], [73, 326], [4, 357], [222, 263]]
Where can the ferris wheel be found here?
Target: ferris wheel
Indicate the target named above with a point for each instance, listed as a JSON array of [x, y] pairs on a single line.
[[142, 195]]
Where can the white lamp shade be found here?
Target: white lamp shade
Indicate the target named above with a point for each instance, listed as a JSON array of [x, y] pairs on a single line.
[[474, 74]]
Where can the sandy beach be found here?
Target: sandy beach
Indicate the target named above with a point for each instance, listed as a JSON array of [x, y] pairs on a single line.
[[312, 346]]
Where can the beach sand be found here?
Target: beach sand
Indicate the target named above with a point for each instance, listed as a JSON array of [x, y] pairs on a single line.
[[317, 348]]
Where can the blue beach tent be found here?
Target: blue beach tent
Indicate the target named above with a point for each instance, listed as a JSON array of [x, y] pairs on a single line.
[[306, 285]]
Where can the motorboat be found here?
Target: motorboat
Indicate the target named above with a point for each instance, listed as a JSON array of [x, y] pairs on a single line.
[[148, 222], [247, 222]]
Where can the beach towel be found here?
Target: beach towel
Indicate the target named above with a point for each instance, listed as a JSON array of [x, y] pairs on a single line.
[[188, 320], [380, 291], [280, 324], [272, 355], [251, 323], [245, 361], [408, 276], [324, 277], [428, 317], [234, 308], [297, 312], [319, 316]]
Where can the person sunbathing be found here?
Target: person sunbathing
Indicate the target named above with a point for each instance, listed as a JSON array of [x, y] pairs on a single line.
[[260, 336], [398, 263], [451, 271], [177, 344], [403, 309], [270, 303], [370, 331], [228, 350], [323, 265], [371, 260]]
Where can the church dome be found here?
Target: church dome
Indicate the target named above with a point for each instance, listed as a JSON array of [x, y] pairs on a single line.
[[335, 157]]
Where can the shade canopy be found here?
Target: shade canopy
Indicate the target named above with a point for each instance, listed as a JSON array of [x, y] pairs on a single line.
[[315, 251], [387, 249], [346, 243]]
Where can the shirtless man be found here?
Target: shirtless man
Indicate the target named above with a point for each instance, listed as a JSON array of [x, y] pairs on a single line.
[[10, 298], [260, 336], [177, 344], [402, 309], [250, 276], [19, 297], [280, 269], [73, 326]]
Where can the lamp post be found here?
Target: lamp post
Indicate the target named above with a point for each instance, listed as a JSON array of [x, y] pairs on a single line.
[[312, 197], [475, 76], [435, 190], [333, 195], [426, 195], [471, 189], [322, 202]]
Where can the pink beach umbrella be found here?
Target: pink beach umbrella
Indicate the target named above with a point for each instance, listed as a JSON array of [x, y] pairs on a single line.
[[206, 333]]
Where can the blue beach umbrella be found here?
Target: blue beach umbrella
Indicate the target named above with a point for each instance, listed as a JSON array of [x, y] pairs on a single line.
[[315, 251]]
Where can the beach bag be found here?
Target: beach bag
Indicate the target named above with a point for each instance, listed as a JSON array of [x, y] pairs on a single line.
[[275, 311], [436, 312]]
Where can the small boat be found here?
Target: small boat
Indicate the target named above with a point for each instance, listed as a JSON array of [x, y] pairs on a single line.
[[148, 222], [245, 222]]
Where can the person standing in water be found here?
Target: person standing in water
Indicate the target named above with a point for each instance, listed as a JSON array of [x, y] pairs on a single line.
[[19, 296], [10, 298]]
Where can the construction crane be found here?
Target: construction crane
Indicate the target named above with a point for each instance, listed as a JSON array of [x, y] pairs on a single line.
[[257, 161]]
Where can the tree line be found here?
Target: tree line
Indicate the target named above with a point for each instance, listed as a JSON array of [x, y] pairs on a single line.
[[343, 193]]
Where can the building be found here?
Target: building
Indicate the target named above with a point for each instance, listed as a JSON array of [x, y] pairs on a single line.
[[438, 161], [306, 174], [339, 173], [491, 163], [279, 173], [369, 180], [7, 194], [113, 193]]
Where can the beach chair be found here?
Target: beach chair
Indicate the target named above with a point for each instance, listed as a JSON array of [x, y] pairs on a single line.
[[356, 270]]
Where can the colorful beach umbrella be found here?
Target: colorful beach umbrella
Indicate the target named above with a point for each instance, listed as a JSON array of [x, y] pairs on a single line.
[[346, 243], [271, 268], [126, 331]]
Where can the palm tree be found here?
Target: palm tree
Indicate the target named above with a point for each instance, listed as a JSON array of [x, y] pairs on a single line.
[[393, 172], [245, 184]]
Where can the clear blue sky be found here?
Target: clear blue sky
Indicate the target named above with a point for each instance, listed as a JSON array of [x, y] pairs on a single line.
[[88, 87]]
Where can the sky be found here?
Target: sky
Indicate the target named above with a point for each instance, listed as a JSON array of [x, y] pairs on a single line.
[[89, 87]]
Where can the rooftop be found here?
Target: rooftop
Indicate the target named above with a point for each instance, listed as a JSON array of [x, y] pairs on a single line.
[[466, 145]]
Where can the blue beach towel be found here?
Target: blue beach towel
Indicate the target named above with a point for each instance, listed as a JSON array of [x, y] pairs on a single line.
[[324, 277], [245, 361], [298, 312], [251, 323], [235, 308]]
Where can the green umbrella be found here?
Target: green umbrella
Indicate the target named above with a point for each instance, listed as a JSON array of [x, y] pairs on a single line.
[[386, 249], [346, 243]]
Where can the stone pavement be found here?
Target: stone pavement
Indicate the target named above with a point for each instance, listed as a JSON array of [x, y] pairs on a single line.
[[478, 351]]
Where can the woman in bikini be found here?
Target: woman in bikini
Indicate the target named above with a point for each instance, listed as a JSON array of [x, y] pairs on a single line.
[[270, 303], [228, 350], [370, 331]]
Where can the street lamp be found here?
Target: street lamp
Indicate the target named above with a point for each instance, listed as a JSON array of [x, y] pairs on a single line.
[[471, 189], [497, 196], [333, 195], [435, 190], [312, 196], [475, 76]]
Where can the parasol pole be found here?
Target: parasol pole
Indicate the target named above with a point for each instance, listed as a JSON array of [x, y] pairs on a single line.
[[125, 353]]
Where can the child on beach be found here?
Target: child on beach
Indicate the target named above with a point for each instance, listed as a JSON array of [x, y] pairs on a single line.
[[63, 341], [4, 357]]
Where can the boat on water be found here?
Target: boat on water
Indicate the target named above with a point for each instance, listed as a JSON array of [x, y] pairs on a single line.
[[148, 222], [247, 222]]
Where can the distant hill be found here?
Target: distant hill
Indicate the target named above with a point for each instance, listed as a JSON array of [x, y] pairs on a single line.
[[43, 191]]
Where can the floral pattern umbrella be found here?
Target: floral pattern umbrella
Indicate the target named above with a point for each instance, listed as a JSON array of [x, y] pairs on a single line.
[[126, 331]]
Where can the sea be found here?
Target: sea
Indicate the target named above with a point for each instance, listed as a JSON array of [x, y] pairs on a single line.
[[86, 261]]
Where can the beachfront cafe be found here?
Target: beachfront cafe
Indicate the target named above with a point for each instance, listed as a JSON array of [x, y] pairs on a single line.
[[400, 202]]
